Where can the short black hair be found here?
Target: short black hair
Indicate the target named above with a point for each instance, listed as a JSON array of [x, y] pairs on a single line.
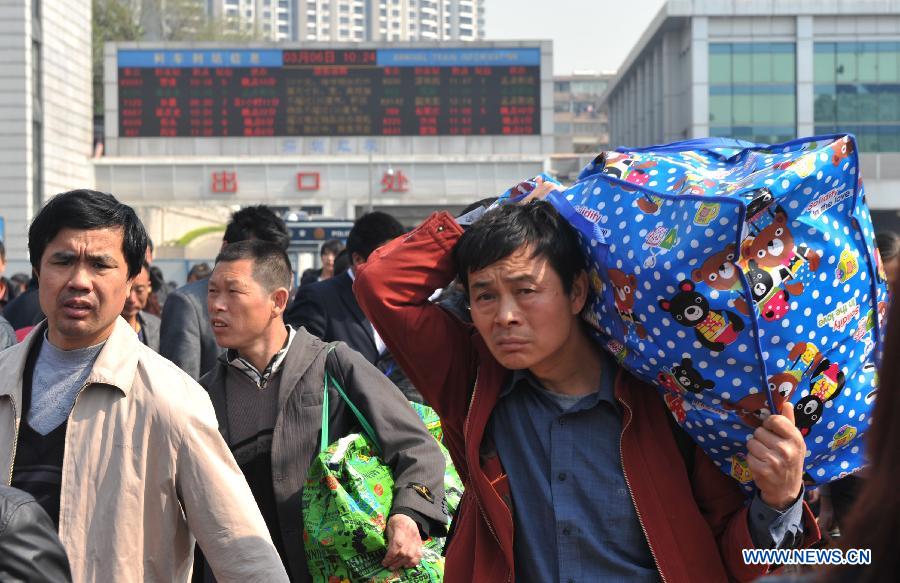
[[20, 278], [2, 251], [271, 265], [506, 229], [341, 262], [483, 203], [157, 280], [888, 243], [370, 231], [88, 210], [257, 222], [334, 246], [200, 270]]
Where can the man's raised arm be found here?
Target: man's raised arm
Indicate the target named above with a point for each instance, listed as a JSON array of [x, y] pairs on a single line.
[[432, 346]]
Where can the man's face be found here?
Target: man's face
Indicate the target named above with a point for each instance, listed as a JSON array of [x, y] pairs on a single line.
[[892, 271], [140, 293], [328, 261], [83, 285], [240, 309], [522, 311]]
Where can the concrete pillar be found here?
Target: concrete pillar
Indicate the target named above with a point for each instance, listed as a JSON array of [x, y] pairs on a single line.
[[805, 77], [700, 76]]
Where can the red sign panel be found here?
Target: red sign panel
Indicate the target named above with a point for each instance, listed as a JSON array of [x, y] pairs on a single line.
[[394, 182], [224, 181], [307, 181]]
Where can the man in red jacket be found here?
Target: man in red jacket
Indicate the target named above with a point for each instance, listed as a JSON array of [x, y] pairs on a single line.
[[571, 465]]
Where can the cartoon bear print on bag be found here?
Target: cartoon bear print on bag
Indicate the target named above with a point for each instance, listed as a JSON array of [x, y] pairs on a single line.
[[826, 382], [624, 287], [720, 272], [684, 377], [715, 329], [773, 303], [807, 413], [754, 409], [773, 250], [760, 200], [841, 149], [827, 379]]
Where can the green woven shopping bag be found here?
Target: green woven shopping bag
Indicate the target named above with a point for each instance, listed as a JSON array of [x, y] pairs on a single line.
[[346, 502]]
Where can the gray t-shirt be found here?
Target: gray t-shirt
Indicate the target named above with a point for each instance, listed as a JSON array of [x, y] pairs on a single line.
[[58, 377]]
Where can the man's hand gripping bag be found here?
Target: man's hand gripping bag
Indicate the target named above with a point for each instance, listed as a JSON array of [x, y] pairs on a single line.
[[739, 279]]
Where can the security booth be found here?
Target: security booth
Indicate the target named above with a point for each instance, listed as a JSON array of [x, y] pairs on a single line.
[[307, 238]]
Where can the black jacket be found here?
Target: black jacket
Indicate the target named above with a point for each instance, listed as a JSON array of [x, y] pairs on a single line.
[[25, 309], [310, 276], [407, 447], [328, 309], [29, 546], [186, 337]]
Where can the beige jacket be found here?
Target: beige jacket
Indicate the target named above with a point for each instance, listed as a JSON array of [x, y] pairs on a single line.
[[145, 471]]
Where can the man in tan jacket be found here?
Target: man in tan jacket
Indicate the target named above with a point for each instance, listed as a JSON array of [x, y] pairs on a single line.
[[117, 444]]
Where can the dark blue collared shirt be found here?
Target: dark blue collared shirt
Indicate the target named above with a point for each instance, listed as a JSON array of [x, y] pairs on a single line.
[[573, 513]]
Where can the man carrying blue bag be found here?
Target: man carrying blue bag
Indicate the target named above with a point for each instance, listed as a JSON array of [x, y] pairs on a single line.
[[573, 469]]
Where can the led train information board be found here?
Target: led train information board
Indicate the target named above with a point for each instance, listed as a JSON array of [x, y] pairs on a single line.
[[301, 92]]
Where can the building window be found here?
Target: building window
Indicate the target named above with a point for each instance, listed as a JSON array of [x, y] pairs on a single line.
[[857, 90], [585, 87], [588, 129], [752, 91]]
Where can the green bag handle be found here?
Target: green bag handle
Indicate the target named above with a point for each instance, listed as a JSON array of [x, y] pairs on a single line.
[[367, 428]]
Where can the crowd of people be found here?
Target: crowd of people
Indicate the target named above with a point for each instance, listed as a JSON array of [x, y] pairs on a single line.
[[157, 435]]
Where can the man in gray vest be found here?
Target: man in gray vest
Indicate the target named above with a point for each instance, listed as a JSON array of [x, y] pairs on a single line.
[[273, 372]]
